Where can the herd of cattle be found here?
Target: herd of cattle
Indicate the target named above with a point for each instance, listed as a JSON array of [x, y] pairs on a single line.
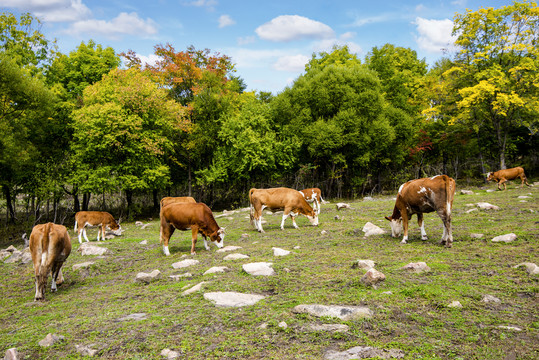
[[50, 244]]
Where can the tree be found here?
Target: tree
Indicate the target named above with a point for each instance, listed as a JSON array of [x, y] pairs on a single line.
[[122, 134], [495, 72]]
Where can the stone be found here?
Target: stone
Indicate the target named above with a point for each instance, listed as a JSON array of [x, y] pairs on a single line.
[[139, 223], [371, 229], [490, 299], [244, 236], [417, 267], [283, 325], [490, 190], [11, 354], [297, 247], [342, 312], [372, 277], [83, 265], [11, 248], [15, 257], [236, 256], [471, 210], [134, 316], [280, 252], [466, 192], [4, 254], [323, 232], [513, 328], [368, 198], [89, 249], [327, 327], [179, 276], [148, 277], [86, 350], [169, 354], [232, 299], [50, 340], [342, 206], [216, 269], [26, 257], [364, 352], [259, 269], [145, 226], [185, 263], [487, 206], [229, 248], [336, 217], [144, 242], [531, 268], [363, 264], [195, 288], [476, 235], [455, 304], [524, 197], [507, 238]]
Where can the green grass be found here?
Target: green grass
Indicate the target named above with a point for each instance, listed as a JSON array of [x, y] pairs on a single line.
[[414, 317]]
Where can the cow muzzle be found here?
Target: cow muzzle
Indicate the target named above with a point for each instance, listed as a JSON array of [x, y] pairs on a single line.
[[313, 220]]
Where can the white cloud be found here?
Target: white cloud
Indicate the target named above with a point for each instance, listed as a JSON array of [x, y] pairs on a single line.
[[294, 63], [123, 24], [293, 27], [51, 10], [327, 44], [434, 35], [210, 4], [225, 20], [246, 40], [371, 20], [151, 59]]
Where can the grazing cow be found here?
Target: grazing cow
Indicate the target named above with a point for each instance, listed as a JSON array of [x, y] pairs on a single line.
[[291, 201], [181, 199], [95, 218], [313, 195], [184, 216], [423, 196], [501, 176], [50, 246]]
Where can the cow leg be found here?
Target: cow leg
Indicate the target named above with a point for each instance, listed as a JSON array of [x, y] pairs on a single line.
[[447, 236], [55, 271], [294, 221], [285, 215], [80, 235], [257, 215], [405, 226], [421, 224], [84, 234], [166, 232], [194, 231], [206, 245], [317, 206]]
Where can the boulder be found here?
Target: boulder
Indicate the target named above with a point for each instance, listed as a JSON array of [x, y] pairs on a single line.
[[342, 312], [195, 288], [524, 197], [280, 252], [340, 206], [232, 299], [229, 248], [531, 268], [216, 269], [471, 210], [490, 299], [15, 257], [416, 267], [179, 276], [507, 238], [90, 249], [364, 352], [11, 249], [466, 192], [236, 256], [363, 264], [371, 229], [11, 354], [372, 277], [169, 354], [455, 304], [259, 269], [487, 206], [476, 235], [148, 277], [134, 316], [50, 340], [86, 350], [83, 265], [368, 198], [327, 327], [185, 263]]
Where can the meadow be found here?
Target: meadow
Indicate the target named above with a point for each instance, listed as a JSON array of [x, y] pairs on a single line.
[[410, 310]]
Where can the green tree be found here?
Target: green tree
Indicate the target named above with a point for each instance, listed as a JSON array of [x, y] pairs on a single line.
[[122, 134]]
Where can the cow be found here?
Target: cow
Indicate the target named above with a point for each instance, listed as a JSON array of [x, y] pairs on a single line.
[[50, 246], [183, 199], [95, 218], [424, 196], [501, 176], [291, 201], [184, 216], [313, 195]]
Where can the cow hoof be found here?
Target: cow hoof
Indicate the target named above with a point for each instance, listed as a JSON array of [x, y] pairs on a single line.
[[403, 242], [424, 238]]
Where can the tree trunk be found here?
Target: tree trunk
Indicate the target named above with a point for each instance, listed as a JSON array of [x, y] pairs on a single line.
[[155, 200], [9, 203], [189, 179], [129, 199], [85, 201]]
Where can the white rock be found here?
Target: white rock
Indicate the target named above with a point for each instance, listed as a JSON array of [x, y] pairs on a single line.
[[169, 354], [342, 312], [327, 327], [11, 354], [11, 248], [148, 277], [323, 232], [134, 316], [417, 267], [283, 325], [86, 350], [280, 252], [372, 277], [90, 249], [371, 229], [487, 206], [514, 328], [363, 264], [144, 242], [139, 223], [229, 248], [50, 340], [16, 256], [490, 190], [471, 210], [179, 276], [476, 235], [524, 197], [466, 192], [368, 198], [342, 206], [455, 304], [216, 269], [236, 256], [507, 238], [364, 352], [297, 247], [232, 299], [195, 288], [259, 269], [185, 263], [490, 298], [531, 268], [83, 265]]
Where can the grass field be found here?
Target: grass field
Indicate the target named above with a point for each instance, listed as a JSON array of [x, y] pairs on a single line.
[[411, 310]]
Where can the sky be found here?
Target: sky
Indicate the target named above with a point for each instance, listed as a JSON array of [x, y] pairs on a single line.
[[269, 41]]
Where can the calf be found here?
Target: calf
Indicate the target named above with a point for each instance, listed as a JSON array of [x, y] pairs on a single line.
[[424, 196], [501, 176], [50, 246], [180, 199], [313, 195], [291, 201], [95, 218], [184, 216]]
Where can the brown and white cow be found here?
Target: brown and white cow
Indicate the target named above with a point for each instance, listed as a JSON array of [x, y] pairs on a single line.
[[291, 201], [424, 196], [95, 218], [501, 176], [313, 195], [50, 246], [179, 199], [184, 216]]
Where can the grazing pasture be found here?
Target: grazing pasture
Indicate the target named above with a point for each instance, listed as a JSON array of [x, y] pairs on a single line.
[[410, 310]]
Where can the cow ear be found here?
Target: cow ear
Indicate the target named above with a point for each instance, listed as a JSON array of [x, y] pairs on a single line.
[[388, 218]]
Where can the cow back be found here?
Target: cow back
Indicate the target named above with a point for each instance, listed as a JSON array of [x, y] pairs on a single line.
[[50, 239], [184, 215], [279, 198], [426, 194], [178, 199]]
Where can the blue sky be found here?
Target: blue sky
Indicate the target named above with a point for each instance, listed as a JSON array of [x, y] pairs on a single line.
[[269, 41]]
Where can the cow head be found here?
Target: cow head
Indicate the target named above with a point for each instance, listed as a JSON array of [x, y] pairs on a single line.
[[218, 237], [313, 218], [396, 226], [489, 176]]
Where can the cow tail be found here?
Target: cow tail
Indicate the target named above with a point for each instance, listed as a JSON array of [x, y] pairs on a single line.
[[448, 192], [75, 228], [251, 214]]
